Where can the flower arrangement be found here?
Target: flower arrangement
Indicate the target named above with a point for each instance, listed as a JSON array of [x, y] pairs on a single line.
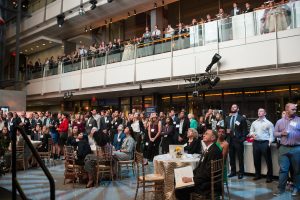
[[178, 152]]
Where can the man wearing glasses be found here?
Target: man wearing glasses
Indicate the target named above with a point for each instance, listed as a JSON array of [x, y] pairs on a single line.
[[288, 130]]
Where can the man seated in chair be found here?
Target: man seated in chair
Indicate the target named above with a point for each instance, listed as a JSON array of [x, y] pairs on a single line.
[[202, 173]]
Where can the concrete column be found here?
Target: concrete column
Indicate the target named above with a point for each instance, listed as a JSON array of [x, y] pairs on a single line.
[[69, 47], [157, 18]]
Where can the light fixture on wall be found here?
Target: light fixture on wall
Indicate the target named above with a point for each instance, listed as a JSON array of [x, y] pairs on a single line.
[[110, 21], [134, 12], [60, 19], [68, 95], [155, 5], [91, 28], [85, 29], [94, 4], [208, 78], [128, 14], [105, 22], [81, 10]]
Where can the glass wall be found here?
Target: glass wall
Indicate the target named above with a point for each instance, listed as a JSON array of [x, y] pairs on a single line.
[[137, 103]]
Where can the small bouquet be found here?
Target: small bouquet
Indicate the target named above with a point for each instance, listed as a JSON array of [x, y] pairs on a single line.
[[178, 151]]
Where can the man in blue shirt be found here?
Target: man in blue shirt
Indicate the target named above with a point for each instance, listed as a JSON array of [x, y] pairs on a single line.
[[262, 132]]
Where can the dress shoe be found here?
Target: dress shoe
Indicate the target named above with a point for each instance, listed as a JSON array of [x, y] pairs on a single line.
[[256, 178], [231, 175], [269, 180], [241, 176], [295, 192], [278, 192]]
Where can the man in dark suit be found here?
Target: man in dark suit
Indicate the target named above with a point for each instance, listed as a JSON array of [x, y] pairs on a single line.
[[202, 173], [91, 122], [235, 10], [182, 128], [248, 8], [24, 123], [236, 128], [12, 122], [105, 122]]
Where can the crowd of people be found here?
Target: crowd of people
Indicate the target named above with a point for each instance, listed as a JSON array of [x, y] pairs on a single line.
[[152, 134], [181, 30]]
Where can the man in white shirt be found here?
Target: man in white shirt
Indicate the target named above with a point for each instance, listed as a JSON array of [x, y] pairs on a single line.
[[262, 132], [156, 33], [235, 11]]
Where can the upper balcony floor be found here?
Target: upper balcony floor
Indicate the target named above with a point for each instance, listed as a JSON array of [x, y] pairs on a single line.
[[256, 44]]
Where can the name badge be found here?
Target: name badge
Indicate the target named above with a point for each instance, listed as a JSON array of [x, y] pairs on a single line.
[[106, 121], [116, 123], [90, 125], [174, 122], [11, 123], [237, 123], [177, 126], [165, 135], [25, 121], [78, 122], [152, 130], [41, 136], [293, 124], [119, 140], [147, 144], [112, 122]]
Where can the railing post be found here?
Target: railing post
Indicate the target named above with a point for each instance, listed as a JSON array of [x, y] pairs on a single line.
[[172, 41], [105, 70], [135, 55], [60, 71], [14, 167]]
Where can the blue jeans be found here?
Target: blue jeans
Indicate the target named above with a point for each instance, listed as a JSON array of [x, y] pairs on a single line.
[[289, 157]]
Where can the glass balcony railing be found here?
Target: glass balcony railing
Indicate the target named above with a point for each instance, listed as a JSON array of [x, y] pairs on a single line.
[[264, 21], [38, 4]]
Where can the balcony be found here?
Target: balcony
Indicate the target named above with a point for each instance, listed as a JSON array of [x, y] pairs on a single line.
[[259, 41]]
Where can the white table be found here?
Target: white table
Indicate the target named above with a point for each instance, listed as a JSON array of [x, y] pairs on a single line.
[[165, 165]]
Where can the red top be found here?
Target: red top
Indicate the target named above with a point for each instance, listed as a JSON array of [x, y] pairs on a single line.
[[80, 126], [64, 126]]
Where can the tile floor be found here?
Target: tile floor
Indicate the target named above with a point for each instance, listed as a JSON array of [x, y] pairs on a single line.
[[36, 186]]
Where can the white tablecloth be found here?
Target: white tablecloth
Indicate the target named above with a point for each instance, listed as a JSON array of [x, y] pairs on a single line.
[[165, 165]]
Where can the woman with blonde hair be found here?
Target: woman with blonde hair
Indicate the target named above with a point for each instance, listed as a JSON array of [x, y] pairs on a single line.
[[193, 144]]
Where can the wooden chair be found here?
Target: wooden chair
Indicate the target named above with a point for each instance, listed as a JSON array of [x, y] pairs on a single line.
[[104, 162], [20, 155], [72, 171], [126, 163], [217, 177], [144, 181], [47, 155]]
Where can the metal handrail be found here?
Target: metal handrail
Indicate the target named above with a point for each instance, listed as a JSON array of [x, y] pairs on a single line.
[[15, 183]]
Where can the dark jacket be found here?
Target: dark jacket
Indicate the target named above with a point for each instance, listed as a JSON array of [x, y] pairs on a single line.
[[44, 147], [167, 135], [202, 173], [194, 147], [82, 150], [185, 127], [105, 124], [240, 128], [26, 126], [117, 143], [239, 11], [91, 122]]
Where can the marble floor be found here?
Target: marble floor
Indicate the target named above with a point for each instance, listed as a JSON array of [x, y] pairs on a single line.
[[36, 186]]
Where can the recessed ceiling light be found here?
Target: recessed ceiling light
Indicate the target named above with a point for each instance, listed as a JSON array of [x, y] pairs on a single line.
[[37, 46], [62, 46], [21, 52], [50, 42], [31, 48], [25, 50], [44, 44], [80, 41]]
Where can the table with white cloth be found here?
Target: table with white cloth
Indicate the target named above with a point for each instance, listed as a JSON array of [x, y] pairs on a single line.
[[165, 165]]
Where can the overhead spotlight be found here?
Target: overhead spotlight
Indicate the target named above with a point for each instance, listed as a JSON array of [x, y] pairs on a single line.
[[105, 22], [195, 93], [81, 10], [60, 19], [155, 5], [214, 60], [214, 81], [85, 29], [134, 12], [140, 87], [128, 14], [68, 95], [91, 28], [109, 1], [24, 5], [110, 21], [94, 4]]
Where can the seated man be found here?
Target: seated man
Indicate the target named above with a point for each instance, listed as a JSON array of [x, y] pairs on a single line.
[[202, 172]]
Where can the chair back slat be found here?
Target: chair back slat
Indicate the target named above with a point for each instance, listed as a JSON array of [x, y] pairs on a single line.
[[217, 173], [139, 160]]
